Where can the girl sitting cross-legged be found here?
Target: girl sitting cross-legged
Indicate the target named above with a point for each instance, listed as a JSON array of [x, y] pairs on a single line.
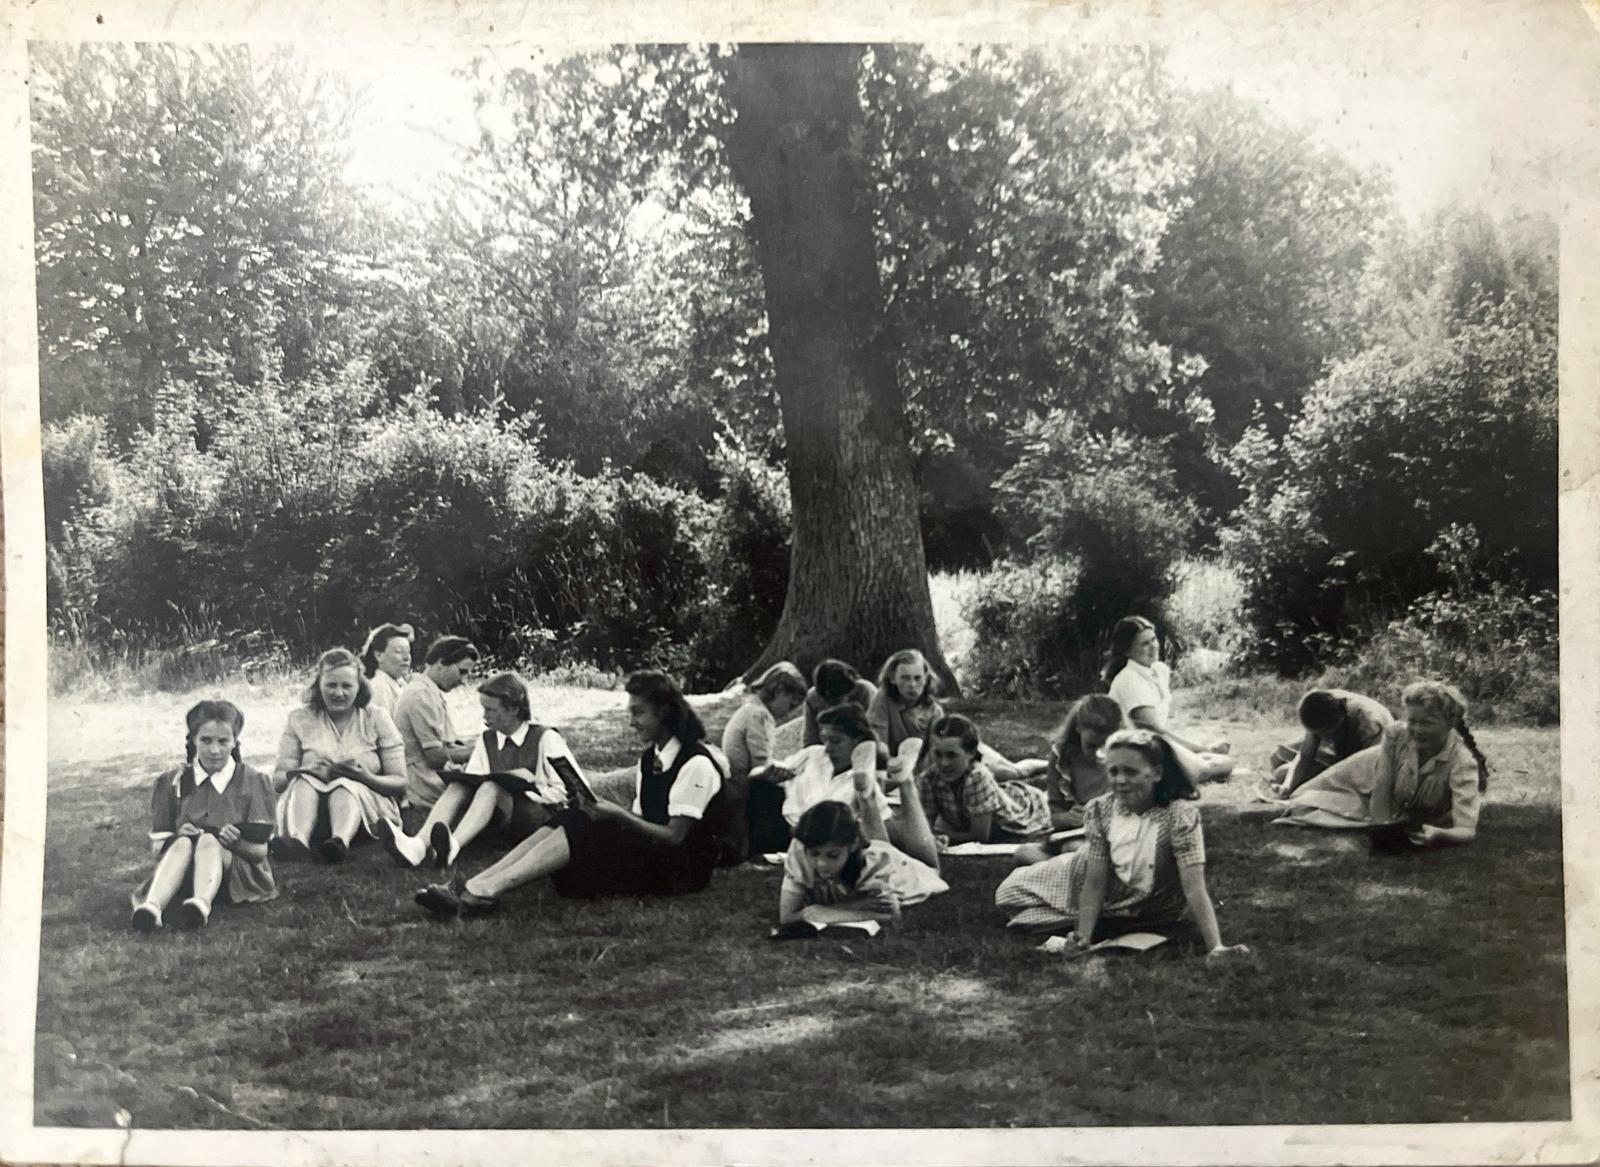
[[1142, 865], [511, 744], [835, 873], [210, 821], [664, 845]]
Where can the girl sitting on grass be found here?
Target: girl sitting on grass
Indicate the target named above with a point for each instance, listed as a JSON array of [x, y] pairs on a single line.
[[1077, 767], [1142, 865], [664, 845], [341, 765], [833, 682], [968, 804], [1421, 786], [1140, 682], [834, 873], [1337, 724], [906, 703], [510, 744], [210, 822], [756, 815], [386, 661]]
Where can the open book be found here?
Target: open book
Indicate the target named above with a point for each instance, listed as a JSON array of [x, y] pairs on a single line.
[[335, 770], [1127, 942], [579, 792], [510, 782], [806, 930]]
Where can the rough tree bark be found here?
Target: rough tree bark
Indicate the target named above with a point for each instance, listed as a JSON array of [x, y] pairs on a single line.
[[858, 581]]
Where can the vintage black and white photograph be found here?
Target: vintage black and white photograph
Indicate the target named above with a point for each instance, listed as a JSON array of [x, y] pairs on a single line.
[[973, 578]]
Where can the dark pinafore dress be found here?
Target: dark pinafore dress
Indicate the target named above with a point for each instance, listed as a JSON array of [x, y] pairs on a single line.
[[609, 858]]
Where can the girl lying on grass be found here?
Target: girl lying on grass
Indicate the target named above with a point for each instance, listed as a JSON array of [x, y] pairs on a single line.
[[210, 822], [1077, 768], [1421, 786], [830, 771], [834, 873], [667, 844], [967, 803], [511, 744], [1142, 864]]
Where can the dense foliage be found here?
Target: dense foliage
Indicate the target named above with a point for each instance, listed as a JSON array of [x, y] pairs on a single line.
[[1132, 323]]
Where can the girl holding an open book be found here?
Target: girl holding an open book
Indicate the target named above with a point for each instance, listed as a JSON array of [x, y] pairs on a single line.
[[519, 775], [1142, 864], [341, 765], [210, 822]]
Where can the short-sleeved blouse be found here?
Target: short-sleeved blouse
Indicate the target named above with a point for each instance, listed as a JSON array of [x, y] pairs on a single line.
[[385, 691], [1441, 791], [1136, 686], [747, 738], [248, 798], [814, 781], [369, 740], [887, 874], [1016, 808]]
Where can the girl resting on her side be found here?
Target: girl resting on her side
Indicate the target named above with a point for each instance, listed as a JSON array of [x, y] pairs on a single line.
[[1421, 786], [968, 804], [665, 845], [1338, 724], [1140, 682], [386, 661], [352, 763], [510, 744], [829, 772], [1077, 773], [833, 682], [756, 814], [1142, 865], [210, 820], [834, 873]]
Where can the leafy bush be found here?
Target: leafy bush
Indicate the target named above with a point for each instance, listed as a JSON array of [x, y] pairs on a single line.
[[1023, 637], [1106, 505], [1393, 447]]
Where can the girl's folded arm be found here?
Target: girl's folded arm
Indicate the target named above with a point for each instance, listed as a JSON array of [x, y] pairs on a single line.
[[791, 900], [882, 907]]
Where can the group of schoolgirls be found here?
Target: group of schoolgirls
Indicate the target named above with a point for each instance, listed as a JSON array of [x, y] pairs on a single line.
[[883, 781]]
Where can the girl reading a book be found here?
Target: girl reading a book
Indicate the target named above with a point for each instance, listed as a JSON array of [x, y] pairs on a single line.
[[835, 874], [757, 810], [967, 803], [341, 765], [519, 775], [664, 845], [1420, 786], [1142, 864], [210, 822], [832, 770], [1077, 768]]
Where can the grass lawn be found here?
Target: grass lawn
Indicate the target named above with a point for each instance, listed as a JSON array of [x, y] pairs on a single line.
[[1417, 989]]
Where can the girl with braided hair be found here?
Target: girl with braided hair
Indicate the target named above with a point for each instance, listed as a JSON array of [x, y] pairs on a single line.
[[1420, 786]]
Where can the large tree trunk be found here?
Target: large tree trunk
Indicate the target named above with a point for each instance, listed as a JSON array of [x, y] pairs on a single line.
[[858, 580]]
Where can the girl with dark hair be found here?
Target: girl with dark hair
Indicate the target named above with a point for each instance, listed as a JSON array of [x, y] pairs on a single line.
[[834, 873], [513, 745], [1337, 724], [210, 822], [662, 846], [1421, 786], [1139, 681], [833, 682], [341, 764], [422, 715], [966, 801], [843, 768], [1142, 865], [386, 663]]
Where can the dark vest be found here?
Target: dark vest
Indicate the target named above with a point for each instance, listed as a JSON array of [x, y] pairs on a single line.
[[709, 836], [514, 757]]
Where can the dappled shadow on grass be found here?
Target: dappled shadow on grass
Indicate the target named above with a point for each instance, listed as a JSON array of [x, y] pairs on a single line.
[[1376, 986]]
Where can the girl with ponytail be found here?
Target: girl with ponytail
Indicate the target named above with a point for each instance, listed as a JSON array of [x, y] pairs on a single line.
[[1420, 786]]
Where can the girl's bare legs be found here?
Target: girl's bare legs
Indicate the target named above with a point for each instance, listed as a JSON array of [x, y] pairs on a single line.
[[489, 802], [909, 830], [301, 816], [455, 797], [541, 854], [170, 870], [344, 816], [211, 861]]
